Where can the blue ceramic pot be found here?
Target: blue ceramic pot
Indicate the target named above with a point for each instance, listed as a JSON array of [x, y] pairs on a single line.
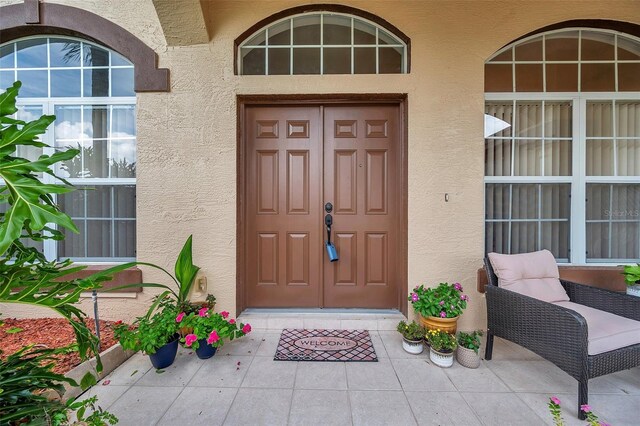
[[165, 355], [205, 350]]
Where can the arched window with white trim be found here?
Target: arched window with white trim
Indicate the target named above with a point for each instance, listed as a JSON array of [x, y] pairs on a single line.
[[89, 89], [564, 171], [322, 43]]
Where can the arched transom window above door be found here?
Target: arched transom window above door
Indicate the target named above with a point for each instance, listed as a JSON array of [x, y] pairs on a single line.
[[322, 43]]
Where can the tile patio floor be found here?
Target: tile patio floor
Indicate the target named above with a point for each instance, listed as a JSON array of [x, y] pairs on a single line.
[[242, 385]]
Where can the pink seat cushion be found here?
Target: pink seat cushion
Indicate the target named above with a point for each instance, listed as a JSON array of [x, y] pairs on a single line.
[[607, 332], [532, 274]]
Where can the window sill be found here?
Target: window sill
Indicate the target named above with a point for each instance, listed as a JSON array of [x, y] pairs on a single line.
[[126, 277], [605, 277]]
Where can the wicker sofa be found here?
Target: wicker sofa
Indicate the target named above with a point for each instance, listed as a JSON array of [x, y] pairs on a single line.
[[559, 334]]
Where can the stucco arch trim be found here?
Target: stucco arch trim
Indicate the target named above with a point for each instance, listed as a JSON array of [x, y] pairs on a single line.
[[323, 8], [35, 18]]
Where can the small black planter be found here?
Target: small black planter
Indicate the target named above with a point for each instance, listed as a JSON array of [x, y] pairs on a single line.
[[205, 350], [165, 355]]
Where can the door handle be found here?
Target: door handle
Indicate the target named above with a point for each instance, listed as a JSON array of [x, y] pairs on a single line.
[[331, 248]]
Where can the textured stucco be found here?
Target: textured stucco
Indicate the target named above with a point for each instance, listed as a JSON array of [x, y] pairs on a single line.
[[187, 138]]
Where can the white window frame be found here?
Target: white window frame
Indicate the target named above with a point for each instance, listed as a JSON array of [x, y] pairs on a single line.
[[48, 108], [50, 247], [578, 179], [321, 45]]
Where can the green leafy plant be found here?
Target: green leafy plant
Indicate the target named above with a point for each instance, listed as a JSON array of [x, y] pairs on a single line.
[[444, 301], [470, 340], [98, 416], [150, 332], [29, 389], [184, 276], [211, 301], [32, 393], [212, 326], [413, 331], [631, 274], [441, 341]]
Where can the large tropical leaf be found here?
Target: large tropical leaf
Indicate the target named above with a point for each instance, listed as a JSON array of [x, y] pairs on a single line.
[[185, 270]]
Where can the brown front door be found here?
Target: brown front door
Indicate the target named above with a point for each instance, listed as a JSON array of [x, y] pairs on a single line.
[[297, 159]]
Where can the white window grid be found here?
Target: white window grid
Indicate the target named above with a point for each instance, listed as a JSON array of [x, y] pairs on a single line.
[[48, 107], [539, 220], [610, 221], [49, 68], [579, 61], [579, 178], [399, 44]]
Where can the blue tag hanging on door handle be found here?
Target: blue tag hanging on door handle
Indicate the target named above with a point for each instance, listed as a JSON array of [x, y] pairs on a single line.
[[331, 249]]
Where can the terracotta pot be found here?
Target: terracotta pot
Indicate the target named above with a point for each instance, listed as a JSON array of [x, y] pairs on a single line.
[[440, 359], [448, 325], [468, 357], [414, 347]]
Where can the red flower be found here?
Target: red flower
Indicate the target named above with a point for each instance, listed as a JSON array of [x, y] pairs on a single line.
[[246, 328], [224, 314], [232, 321], [118, 322]]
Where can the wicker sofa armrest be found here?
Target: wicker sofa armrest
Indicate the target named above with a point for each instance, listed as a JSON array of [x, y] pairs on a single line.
[[555, 333], [604, 300]]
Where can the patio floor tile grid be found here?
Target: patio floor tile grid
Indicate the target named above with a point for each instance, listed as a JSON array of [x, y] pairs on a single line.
[[243, 385]]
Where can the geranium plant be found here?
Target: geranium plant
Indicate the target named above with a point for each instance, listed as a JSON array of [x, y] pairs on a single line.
[[412, 332], [444, 301], [441, 341], [149, 333], [470, 340], [213, 327]]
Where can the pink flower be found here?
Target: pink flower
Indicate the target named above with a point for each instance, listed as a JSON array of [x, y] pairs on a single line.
[[555, 400], [224, 314], [232, 321], [180, 316], [441, 302], [457, 286], [586, 408], [213, 337], [203, 312], [246, 328], [189, 339], [414, 297], [443, 314]]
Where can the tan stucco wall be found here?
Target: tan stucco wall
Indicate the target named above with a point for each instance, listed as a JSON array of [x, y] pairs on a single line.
[[187, 138]]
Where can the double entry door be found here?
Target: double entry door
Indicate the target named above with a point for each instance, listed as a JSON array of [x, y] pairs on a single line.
[[302, 163]]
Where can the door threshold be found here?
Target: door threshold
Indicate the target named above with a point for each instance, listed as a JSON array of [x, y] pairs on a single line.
[[275, 319]]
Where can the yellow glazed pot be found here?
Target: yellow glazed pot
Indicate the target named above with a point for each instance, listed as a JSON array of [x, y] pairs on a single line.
[[448, 325]]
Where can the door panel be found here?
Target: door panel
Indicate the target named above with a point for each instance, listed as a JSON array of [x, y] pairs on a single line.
[[361, 152], [297, 159], [283, 237]]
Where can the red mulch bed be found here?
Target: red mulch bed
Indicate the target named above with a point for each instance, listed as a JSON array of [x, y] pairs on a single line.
[[52, 333]]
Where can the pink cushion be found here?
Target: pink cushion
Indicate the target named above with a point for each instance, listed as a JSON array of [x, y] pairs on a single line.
[[532, 274], [607, 332]]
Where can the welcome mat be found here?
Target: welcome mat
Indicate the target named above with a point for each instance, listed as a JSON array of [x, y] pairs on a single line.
[[325, 345]]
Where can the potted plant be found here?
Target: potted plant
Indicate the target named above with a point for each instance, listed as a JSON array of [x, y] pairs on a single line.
[[632, 278], [467, 353], [209, 330], [438, 308], [154, 334], [412, 335], [441, 347]]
